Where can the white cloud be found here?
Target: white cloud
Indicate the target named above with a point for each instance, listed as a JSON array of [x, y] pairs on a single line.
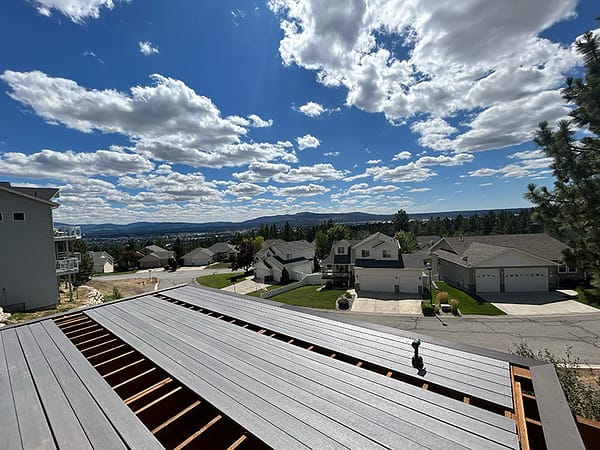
[[246, 189], [307, 141], [365, 189], [299, 191], [436, 59], [257, 122], [373, 161], [332, 154], [76, 10], [146, 48], [312, 109], [63, 165], [486, 184], [402, 155], [166, 120], [261, 172], [424, 189], [411, 172], [317, 172], [442, 160]]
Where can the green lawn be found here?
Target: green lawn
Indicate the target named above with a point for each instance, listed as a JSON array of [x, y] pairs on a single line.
[[260, 291], [310, 297], [220, 280], [468, 304], [589, 297]]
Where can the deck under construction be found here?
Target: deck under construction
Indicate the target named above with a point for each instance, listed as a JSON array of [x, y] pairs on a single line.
[[192, 367]]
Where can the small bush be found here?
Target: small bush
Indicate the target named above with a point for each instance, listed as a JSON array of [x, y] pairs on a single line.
[[116, 293], [442, 297], [343, 303], [436, 308], [427, 308], [454, 306]]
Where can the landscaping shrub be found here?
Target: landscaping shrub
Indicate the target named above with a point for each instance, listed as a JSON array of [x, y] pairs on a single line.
[[343, 303], [436, 308], [348, 295], [427, 308], [454, 306], [442, 297]]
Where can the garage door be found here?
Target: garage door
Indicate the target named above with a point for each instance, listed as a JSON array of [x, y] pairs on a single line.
[[526, 279], [375, 282], [487, 280]]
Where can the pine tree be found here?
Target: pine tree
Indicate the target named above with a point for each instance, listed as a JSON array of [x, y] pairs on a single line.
[[571, 209]]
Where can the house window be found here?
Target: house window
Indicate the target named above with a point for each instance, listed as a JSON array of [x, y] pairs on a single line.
[[0, 217], [341, 250], [387, 253], [364, 253], [563, 268], [18, 216]]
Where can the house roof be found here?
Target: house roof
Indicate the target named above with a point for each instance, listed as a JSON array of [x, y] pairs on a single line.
[[414, 260], [335, 258], [199, 252], [100, 258], [43, 195], [537, 244], [209, 349], [427, 241], [284, 247], [222, 247], [154, 248]]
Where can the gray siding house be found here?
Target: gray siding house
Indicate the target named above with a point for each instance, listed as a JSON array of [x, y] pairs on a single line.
[[29, 263]]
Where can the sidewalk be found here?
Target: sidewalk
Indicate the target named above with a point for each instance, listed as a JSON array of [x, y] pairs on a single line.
[[246, 286]]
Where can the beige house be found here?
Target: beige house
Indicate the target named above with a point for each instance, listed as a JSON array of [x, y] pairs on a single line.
[[155, 256], [501, 263], [103, 262]]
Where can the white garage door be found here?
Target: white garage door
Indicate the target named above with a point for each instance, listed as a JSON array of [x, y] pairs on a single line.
[[487, 280], [407, 282], [526, 279]]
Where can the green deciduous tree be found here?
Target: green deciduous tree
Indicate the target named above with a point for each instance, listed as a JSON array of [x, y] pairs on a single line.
[[571, 209], [407, 240], [245, 256]]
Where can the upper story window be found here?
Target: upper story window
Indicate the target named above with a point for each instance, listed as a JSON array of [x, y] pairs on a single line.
[[387, 253], [341, 250], [563, 268], [365, 253], [18, 216], [0, 217]]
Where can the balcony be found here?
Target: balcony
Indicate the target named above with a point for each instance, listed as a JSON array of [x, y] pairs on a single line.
[[67, 233], [335, 274], [67, 263]]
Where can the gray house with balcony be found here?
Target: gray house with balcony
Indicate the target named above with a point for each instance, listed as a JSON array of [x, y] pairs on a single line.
[[34, 253]]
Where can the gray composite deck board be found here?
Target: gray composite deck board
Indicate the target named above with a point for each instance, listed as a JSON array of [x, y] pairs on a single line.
[[9, 426], [243, 407], [64, 424], [33, 425], [413, 397], [129, 427], [94, 422], [461, 381], [244, 349], [458, 360], [322, 414]]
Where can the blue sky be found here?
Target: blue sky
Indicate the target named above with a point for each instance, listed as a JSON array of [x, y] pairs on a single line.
[[200, 111]]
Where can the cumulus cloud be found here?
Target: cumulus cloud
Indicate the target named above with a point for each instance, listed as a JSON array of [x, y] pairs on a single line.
[[402, 155], [63, 165], [312, 109], [414, 58], [423, 189], [166, 120], [442, 160], [257, 122], [331, 154], [411, 172], [317, 172], [76, 10], [373, 161], [146, 48], [299, 191], [531, 164], [307, 141]]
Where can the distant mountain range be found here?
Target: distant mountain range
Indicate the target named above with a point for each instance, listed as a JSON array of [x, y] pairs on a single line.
[[300, 219]]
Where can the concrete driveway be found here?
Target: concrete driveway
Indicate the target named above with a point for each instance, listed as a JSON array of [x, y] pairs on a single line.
[[386, 303], [536, 303], [246, 286]]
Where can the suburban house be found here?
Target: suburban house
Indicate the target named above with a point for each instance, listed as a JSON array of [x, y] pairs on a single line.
[[192, 367], [296, 257], [374, 264], [103, 262], [219, 252], [502, 263], [154, 256], [34, 252]]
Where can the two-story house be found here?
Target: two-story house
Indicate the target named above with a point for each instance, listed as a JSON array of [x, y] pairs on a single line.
[[34, 252], [374, 264], [296, 257]]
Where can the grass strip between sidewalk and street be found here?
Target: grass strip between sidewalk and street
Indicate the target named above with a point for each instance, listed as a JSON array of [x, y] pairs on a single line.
[[220, 280], [467, 304], [309, 296]]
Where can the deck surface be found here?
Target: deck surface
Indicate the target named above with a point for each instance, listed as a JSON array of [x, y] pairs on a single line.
[[285, 395]]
